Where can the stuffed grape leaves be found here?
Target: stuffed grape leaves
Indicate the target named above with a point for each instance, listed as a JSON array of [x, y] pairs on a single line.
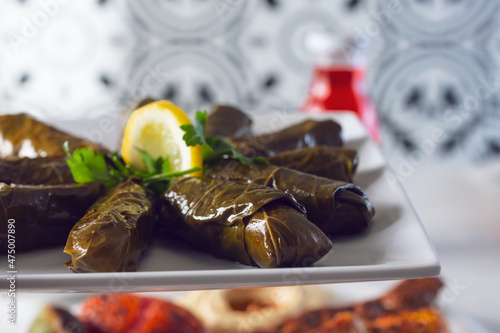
[[23, 136], [336, 207], [309, 133], [228, 121], [248, 223], [35, 171], [115, 231], [330, 162], [44, 215]]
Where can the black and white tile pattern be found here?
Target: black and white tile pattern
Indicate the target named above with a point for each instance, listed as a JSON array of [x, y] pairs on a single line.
[[437, 74], [433, 67]]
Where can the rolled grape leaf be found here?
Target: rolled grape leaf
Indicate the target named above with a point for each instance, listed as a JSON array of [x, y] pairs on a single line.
[[330, 162], [309, 133], [228, 121], [23, 136], [248, 223], [44, 215], [113, 234], [336, 207], [35, 171]]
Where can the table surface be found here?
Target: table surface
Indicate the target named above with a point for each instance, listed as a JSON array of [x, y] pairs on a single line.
[[460, 208]]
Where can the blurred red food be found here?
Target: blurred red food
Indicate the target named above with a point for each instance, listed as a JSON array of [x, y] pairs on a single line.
[[406, 308], [129, 313]]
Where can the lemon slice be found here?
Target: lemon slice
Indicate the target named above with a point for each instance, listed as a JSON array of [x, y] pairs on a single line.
[[155, 128]]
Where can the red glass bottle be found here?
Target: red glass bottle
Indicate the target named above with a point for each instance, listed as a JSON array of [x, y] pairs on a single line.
[[338, 80]]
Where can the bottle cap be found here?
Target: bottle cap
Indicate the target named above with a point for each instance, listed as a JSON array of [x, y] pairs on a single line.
[[334, 49]]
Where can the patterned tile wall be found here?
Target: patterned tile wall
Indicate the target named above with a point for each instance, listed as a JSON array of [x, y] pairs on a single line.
[[433, 70], [436, 81]]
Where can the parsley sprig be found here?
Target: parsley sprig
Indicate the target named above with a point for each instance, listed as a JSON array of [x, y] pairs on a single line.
[[88, 166], [214, 148]]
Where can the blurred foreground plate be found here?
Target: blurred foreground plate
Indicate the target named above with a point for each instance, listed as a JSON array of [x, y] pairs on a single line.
[[30, 305], [396, 247]]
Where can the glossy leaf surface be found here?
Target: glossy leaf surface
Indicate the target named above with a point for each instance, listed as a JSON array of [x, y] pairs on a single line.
[[330, 162], [228, 121], [114, 232], [24, 136], [44, 215], [248, 223], [309, 133], [336, 207], [35, 171]]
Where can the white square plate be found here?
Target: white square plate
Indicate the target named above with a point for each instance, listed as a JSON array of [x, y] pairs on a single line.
[[395, 247]]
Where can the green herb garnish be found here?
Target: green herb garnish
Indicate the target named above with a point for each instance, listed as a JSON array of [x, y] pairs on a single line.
[[88, 166], [214, 148]]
